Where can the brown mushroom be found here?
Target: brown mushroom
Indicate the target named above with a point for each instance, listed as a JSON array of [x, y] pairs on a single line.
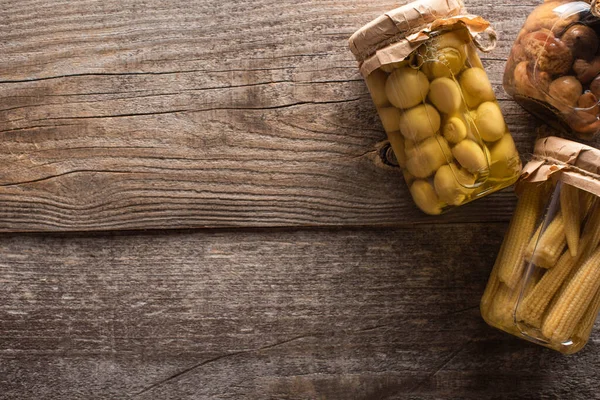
[[518, 53], [583, 123], [595, 86], [587, 71], [588, 102], [546, 16], [564, 92], [551, 54], [582, 40], [528, 85]]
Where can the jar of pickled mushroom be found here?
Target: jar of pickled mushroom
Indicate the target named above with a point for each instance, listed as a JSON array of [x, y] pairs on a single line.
[[545, 284], [554, 66], [436, 103]]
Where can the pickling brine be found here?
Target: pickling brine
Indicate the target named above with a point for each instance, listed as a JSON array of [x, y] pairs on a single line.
[[439, 111], [545, 284]]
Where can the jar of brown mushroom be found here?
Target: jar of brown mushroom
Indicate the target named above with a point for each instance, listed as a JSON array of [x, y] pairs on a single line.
[[545, 284], [436, 103], [554, 66]]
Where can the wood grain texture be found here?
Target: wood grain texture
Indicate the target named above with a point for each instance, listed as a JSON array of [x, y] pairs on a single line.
[[152, 114], [325, 314]]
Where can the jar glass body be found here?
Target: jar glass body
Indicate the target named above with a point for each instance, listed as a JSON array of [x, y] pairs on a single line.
[[444, 123], [544, 286], [553, 67]]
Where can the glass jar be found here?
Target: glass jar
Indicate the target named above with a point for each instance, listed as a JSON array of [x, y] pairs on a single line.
[[545, 284], [436, 103], [553, 67]]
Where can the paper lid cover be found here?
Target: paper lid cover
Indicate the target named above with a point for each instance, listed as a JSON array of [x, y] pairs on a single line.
[[399, 23], [574, 163]]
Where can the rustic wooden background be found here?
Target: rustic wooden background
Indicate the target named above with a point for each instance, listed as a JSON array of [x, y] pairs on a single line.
[[318, 278]]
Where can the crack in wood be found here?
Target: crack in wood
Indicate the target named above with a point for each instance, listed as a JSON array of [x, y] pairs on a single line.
[[440, 367], [180, 92], [46, 178], [133, 73], [215, 359], [201, 110]]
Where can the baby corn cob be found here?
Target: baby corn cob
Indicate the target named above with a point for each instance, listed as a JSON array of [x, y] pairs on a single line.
[[503, 306], [585, 247], [586, 199], [570, 307], [510, 262], [535, 303], [493, 282], [591, 230], [550, 245], [585, 326], [571, 212], [554, 281], [590, 234], [490, 291], [533, 241]]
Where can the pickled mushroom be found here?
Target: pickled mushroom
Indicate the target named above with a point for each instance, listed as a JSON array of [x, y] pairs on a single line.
[[551, 54], [420, 122], [445, 55], [517, 54], [471, 156], [425, 197], [586, 125], [448, 63], [454, 130], [504, 159], [444, 93], [582, 40], [565, 91], [545, 16], [425, 158], [466, 180], [476, 87], [525, 85], [376, 84], [595, 87], [447, 186], [406, 87], [456, 39], [589, 102], [586, 71], [390, 118], [490, 122]]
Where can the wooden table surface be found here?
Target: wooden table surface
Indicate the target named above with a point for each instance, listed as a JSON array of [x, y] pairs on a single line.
[[193, 206]]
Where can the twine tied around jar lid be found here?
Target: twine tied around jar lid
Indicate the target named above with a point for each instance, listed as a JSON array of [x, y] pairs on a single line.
[[394, 35], [492, 40], [560, 159]]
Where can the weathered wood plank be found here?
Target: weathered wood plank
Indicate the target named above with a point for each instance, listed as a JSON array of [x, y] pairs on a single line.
[[335, 314], [152, 114]]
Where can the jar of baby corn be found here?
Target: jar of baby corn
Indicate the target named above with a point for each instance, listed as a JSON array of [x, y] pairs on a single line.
[[436, 103], [545, 284]]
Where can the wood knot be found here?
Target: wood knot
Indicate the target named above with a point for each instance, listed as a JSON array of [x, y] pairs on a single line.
[[386, 154]]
